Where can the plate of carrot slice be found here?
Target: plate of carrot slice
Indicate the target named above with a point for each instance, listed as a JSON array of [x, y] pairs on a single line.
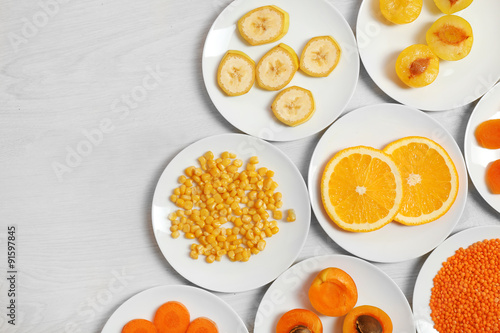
[[353, 285], [458, 284], [482, 147], [174, 308]]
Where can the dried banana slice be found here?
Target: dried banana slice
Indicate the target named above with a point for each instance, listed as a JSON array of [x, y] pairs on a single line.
[[236, 73], [277, 67], [320, 56], [293, 106], [264, 25]]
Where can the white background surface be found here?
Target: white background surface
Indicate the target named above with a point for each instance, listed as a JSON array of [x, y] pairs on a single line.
[[84, 241]]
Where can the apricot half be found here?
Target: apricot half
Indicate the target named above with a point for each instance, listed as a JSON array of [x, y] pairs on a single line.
[[417, 66], [299, 321], [401, 11], [333, 292], [450, 37], [488, 134], [367, 318], [493, 177], [452, 6]]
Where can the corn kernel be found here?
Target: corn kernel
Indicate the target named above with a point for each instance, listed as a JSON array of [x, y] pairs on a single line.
[[254, 160], [208, 155], [189, 171], [175, 234]]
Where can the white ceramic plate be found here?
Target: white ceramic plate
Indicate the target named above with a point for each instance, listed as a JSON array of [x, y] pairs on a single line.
[[424, 284], [281, 249], [377, 126], [477, 157], [251, 113], [459, 82], [289, 291], [199, 302]]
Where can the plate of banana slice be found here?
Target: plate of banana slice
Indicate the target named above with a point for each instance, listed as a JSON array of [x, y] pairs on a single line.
[[280, 71]]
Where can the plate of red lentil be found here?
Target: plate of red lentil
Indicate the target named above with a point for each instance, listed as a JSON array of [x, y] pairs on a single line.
[[231, 212], [458, 287]]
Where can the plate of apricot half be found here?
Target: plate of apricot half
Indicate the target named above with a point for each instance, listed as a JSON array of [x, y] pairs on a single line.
[[174, 308], [430, 54], [482, 147], [334, 293]]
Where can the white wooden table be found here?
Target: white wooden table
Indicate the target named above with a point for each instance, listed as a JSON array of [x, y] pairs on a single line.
[[131, 71]]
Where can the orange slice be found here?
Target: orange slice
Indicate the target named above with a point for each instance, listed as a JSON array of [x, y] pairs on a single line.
[[361, 189], [430, 179]]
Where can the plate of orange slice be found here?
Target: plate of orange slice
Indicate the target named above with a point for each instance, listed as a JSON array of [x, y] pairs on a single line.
[[480, 155], [150, 311], [420, 52], [262, 66], [387, 183]]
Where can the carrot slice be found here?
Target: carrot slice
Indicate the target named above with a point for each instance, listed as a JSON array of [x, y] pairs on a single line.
[[297, 319], [139, 326], [493, 177], [172, 317], [202, 325], [488, 134]]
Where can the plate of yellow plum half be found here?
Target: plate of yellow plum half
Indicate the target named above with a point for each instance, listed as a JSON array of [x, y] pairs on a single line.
[[174, 308], [230, 212], [280, 70], [482, 147], [334, 293], [387, 183], [430, 54]]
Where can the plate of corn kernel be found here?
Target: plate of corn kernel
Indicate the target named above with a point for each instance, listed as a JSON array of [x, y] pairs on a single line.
[[230, 213], [305, 101]]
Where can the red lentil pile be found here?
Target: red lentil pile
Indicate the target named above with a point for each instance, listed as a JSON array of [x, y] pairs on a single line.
[[466, 293]]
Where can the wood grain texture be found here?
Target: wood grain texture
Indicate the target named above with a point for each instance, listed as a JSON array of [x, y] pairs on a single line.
[[85, 242]]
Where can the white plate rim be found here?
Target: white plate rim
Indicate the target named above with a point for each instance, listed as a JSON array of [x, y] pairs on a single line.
[[317, 207], [306, 215], [164, 290], [469, 138], [271, 132], [329, 258], [432, 265], [483, 84]]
